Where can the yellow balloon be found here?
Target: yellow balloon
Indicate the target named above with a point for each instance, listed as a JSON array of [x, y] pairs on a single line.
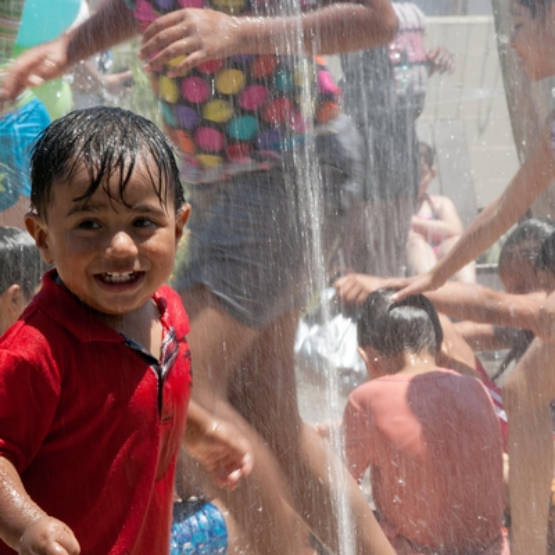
[[174, 62], [209, 160], [229, 6], [168, 89], [218, 111], [230, 81]]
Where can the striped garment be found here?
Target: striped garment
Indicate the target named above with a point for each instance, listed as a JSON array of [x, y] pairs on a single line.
[[10, 17]]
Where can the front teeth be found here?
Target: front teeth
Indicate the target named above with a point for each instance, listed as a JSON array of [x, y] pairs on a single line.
[[118, 278]]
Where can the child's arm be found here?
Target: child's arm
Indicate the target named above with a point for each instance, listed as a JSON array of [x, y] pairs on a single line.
[[218, 446], [465, 301], [111, 24], [481, 337], [469, 301], [354, 288], [24, 526], [532, 178], [202, 34]]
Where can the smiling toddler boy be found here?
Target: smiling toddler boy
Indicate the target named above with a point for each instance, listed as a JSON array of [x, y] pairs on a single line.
[[95, 375]]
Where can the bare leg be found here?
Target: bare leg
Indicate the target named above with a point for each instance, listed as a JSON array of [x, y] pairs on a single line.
[[259, 503], [527, 396], [266, 390]]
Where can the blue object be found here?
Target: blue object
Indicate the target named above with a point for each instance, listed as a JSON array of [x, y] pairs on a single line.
[[44, 20], [198, 528], [18, 131]]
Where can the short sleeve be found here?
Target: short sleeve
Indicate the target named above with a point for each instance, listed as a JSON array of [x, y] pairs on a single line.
[[356, 426], [29, 395]]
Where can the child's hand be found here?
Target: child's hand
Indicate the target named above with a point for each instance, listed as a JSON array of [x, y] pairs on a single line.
[[48, 536], [188, 37], [416, 284], [440, 60], [222, 451], [355, 288]]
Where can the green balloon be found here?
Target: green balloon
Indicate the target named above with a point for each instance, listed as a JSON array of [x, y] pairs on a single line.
[[56, 96]]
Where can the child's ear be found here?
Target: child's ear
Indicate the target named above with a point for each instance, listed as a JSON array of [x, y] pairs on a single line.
[[39, 231], [16, 298], [181, 219], [12, 304]]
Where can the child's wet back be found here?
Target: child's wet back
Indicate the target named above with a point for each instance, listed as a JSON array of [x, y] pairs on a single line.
[[429, 435]]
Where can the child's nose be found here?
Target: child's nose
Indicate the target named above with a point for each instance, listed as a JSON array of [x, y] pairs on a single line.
[[122, 245]]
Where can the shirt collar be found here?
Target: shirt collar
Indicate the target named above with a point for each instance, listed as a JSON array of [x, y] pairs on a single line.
[[80, 320]]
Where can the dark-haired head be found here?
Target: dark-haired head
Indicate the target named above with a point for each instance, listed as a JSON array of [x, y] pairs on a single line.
[[106, 142], [393, 328], [20, 261], [427, 153], [517, 259], [537, 7], [545, 259]]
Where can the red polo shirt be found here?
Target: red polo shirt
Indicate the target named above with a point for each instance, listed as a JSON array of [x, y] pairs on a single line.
[[92, 423]]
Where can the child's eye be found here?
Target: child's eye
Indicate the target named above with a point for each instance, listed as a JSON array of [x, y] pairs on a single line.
[[144, 222], [88, 224]]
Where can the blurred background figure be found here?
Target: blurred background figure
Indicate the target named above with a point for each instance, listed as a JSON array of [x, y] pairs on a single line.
[[435, 226], [22, 269], [384, 92]]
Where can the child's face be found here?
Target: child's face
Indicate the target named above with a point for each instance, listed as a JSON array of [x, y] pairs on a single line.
[[518, 276], [533, 39], [111, 256]]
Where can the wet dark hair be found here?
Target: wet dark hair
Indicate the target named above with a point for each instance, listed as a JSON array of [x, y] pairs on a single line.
[[546, 256], [105, 141], [393, 328], [525, 241], [20, 261], [427, 153], [536, 7]]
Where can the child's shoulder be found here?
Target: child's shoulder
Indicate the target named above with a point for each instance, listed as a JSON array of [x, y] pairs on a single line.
[[30, 345]]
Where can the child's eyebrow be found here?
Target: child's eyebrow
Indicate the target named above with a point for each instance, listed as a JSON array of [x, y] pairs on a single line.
[[147, 208], [86, 207], [99, 206]]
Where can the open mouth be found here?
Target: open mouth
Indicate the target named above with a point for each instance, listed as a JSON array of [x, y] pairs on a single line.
[[119, 278]]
